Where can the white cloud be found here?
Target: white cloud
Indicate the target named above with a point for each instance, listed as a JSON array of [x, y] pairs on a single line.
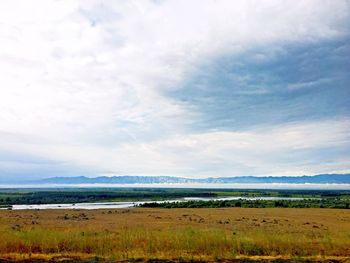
[[87, 77], [218, 153]]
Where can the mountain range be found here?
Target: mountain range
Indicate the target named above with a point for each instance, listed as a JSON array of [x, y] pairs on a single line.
[[315, 179]]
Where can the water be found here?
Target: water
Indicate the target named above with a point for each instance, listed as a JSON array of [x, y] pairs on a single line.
[[113, 205]]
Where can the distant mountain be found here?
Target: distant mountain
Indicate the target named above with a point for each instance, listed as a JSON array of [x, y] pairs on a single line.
[[117, 180], [315, 179]]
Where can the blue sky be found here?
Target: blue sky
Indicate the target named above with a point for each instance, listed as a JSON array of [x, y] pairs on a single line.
[[182, 88]]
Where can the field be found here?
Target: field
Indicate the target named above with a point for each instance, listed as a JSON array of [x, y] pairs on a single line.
[[182, 234]]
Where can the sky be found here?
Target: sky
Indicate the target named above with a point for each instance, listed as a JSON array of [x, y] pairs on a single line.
[[192, 88]]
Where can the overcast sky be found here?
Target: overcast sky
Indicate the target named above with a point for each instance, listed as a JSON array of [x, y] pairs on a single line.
[[185, 88]]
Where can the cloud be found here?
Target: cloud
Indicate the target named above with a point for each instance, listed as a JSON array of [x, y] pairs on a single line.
[[294, 149], [87, 83], [270, 84]]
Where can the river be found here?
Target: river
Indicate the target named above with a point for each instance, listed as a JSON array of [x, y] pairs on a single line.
[[113, 205]]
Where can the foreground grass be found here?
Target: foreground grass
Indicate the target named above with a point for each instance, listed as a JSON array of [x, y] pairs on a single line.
[[201, 234]]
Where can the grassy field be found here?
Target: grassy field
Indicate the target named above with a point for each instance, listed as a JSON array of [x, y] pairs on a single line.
[[183, 234]]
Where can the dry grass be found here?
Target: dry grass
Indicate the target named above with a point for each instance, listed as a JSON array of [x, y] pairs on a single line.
[[206, 234]]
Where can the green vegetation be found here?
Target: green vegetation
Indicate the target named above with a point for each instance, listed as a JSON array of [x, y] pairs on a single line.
[[12, 197], [73, 195], [343, 203]]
